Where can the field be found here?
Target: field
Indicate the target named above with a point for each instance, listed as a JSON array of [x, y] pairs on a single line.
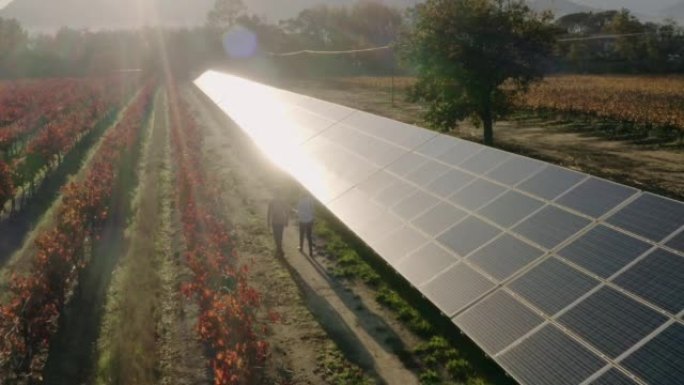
[[134, 250]]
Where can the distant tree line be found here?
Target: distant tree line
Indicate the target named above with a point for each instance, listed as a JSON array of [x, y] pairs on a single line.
[[642, 47], [71, 52], [631, 46]]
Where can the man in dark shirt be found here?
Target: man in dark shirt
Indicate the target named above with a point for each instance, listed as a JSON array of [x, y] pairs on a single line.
[[277, 218]]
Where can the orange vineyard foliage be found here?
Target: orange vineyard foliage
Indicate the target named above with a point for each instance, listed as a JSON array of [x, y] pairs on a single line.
[[29, 316], [650, 101], [228, 321]]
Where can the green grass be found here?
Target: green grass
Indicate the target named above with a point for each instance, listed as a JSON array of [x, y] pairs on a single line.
[[439, 361], [338, 371]]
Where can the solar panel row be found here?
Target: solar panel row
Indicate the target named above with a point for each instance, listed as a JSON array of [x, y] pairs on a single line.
[[559, 276]]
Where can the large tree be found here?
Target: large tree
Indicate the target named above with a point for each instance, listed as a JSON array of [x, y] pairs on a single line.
[[471, 56]]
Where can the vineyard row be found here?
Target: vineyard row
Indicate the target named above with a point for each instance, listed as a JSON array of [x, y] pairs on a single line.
[[229, 322], [34, 301]]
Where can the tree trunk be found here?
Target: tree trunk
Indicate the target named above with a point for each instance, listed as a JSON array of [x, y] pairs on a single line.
[[488, 124]]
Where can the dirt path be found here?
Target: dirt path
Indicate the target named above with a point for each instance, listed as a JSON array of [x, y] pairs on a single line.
[[299, 340], [647, 165]]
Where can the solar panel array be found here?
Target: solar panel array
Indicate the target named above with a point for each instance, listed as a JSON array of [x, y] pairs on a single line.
[[559, 276]]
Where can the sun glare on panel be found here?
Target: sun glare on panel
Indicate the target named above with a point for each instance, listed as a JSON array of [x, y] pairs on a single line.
[[266, 119]]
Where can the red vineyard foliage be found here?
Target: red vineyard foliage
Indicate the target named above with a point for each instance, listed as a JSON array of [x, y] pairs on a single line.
[[24, 104], [228, 321], [28, 319], [71, 108]]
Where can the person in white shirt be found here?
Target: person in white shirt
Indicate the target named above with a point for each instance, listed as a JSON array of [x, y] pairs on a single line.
[[305, 215]]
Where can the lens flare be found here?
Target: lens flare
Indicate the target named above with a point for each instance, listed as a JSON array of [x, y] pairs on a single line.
[[239, 42]]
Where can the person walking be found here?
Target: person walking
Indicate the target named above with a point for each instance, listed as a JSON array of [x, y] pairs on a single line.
[[305, 215], [277, 218]]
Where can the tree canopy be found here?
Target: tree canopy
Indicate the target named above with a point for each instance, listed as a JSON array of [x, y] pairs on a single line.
[[465, 51], [640, 47]]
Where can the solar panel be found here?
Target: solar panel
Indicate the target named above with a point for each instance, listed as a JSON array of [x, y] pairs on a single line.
[[438, 146], [505, 256], [658, 278], [613, 377], [427, 173], [661, 360], [455, 288], [467, 236], [399, 243], [497, 321], [551, 182], [377, 182], [477, 194], [510, 208], [551, 226], [439, 218], [425, 263], [449, 183], [604, 251], [373, 228], [484, 161], [415, 204], [376, 151], [677, 242], [550, 357], [399, 133], [407, 163], [460, 152], [516, 170], [595, 197], [501, 242], [650, 216], [395, 193], [552, 285], [611, 321]]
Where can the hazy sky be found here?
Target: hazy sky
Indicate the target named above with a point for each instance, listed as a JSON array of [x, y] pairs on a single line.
[[643, 6]]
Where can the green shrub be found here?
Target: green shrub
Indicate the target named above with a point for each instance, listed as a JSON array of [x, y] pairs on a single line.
[[459, 369], [429, 377]]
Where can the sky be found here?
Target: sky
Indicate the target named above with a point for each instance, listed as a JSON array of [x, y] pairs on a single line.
[[642, 6]]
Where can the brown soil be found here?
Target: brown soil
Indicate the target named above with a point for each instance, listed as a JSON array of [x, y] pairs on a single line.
[[647, 164], [315, 310]]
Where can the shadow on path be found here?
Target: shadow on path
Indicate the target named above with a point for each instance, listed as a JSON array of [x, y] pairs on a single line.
[[333, 323]]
